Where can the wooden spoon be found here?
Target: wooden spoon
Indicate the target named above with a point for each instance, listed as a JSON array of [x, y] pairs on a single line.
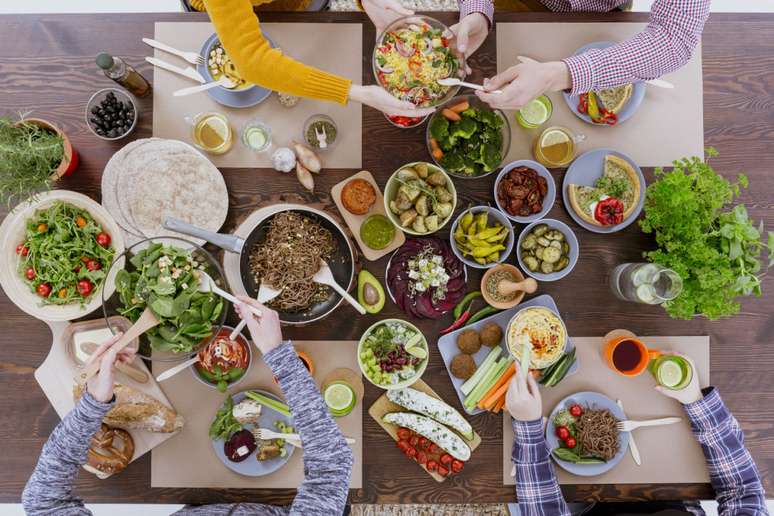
[[169, 373], [505, 287], [130, 370], [146, 321]]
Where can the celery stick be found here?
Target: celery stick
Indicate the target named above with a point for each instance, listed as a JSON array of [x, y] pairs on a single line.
[[488, 362], [272, 404], [486, 383]]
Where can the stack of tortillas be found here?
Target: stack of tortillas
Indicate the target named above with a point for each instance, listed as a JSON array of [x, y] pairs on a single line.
[[153, 178]]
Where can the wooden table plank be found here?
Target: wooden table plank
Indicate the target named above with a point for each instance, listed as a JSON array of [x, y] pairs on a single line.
[[47, 65]]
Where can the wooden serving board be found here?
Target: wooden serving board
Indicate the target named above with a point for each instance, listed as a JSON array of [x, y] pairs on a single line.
[[355, 221], [384, 406]]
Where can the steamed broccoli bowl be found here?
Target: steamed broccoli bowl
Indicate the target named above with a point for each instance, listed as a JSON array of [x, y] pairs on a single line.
[[467, 138]]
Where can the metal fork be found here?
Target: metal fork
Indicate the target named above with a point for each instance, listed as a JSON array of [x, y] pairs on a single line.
[[191, 57], [628, 426]]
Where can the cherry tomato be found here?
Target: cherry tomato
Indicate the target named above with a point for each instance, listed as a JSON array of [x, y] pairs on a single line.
[[414, 440], [403, 444], [404, 434], [446, 459], [576, 410], [42, 228], [570, 442], [103, 239], [22, 250], [443, 471], [609, 211], [424, 443], [411, 452], [93, 265], [43, 290], [431, 465], [62, 293], [80, 221], [562, 432], [434, 448], [457, 466], [421, 457], [30, 273], [85, 287]]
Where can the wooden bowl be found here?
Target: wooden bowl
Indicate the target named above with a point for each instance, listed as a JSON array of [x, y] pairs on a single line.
[[518, 276]]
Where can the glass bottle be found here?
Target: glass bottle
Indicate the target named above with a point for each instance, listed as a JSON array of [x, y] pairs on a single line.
[[124, 74]]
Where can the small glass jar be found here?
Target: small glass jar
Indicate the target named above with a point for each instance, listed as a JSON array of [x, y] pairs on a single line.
[[256, 136], [328, 136]]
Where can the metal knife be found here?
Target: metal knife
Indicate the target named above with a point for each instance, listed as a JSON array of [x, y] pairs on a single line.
[[185, 72], [632, 445]]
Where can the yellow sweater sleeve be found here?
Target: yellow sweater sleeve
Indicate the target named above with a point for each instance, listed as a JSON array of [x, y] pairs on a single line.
[[240, 33]]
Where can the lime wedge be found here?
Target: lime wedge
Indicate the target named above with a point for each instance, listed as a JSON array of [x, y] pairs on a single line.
[[670, 373], [535, 113], [256, 138], [418, 351], [339, 397], [645, 294], [413, 341]]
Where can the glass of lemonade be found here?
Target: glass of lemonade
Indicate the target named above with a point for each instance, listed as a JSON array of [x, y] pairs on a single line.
[[211, 132], [536, 113], [646, 283], [671, 371], [555, 146]]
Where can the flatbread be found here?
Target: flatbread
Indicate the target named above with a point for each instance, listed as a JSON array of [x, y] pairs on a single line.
[[110, 175], [186, 186]]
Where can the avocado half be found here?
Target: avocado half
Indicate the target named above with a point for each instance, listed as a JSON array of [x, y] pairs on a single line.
[[369, 289]]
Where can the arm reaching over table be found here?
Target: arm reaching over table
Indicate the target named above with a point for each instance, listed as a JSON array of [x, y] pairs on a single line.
[[327, 457]]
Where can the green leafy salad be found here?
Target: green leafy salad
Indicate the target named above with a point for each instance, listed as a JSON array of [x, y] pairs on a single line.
[[470, 146], [166, 280], [65, 254], [712, 245]]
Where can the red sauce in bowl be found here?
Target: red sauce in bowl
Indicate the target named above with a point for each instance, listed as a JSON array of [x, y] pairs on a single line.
[[225, 353]]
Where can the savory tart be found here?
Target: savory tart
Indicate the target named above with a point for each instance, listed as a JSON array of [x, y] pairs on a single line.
[[614, 99], [612, 199]]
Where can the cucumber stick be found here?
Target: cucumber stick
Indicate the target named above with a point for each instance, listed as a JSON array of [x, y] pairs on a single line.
[[488, 362], [272, 404], [487, 383]]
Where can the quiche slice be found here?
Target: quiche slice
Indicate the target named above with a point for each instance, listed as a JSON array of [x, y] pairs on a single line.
[[618, 180], [614, 99]]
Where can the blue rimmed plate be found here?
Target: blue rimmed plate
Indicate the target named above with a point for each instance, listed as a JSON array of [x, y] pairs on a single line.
[[638, 93], [593, 400], [232, 98]]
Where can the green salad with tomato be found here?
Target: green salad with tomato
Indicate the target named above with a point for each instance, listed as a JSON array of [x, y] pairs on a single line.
[[165, 278], [65, 254]]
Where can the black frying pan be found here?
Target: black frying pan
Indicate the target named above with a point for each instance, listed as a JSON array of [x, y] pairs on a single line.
[[342, 263]]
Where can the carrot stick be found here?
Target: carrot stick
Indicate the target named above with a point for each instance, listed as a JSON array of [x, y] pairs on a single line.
[[499, 406], [459, 108], [504, 379], [500, 392]]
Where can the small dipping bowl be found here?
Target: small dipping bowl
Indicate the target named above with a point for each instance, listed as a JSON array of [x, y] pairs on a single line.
[[226, 331], [98, 97], [517, 277], [308, 125]]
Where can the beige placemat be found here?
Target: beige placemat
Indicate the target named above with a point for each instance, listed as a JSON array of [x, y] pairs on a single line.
[[343, 56], [188, 460], [670, 454], [667, 126]]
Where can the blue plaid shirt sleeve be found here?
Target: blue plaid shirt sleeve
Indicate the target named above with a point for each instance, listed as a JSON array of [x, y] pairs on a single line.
[[732, 470], [536, 487]]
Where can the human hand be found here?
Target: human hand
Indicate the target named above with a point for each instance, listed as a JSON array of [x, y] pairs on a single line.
[[378, 98], [100, 386], [384, 12], [523, 82], [264, 331], [470, 33], [523, 397], [688, 394]]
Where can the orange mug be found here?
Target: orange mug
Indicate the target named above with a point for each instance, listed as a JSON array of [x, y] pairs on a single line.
[[628, 355]]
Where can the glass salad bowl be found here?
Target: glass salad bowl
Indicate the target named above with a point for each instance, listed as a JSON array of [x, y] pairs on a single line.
[[189, 319], [411, 55]]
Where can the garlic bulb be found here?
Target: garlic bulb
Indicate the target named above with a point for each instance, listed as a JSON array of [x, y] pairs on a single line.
[[283, 159]]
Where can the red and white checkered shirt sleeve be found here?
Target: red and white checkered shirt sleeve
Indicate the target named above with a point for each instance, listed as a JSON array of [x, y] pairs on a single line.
[[485, 7], [665, 45]]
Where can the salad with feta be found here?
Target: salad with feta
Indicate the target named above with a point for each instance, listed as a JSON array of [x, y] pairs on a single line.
[[392, 353], [411, 57]]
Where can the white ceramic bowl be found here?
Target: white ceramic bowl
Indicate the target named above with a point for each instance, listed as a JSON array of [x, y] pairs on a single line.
[[391, 190], [493, 214], [573, 254], [405, 383], [548, 200]]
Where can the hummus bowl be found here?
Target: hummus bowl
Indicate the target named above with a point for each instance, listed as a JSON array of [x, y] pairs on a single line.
[[546, 331]]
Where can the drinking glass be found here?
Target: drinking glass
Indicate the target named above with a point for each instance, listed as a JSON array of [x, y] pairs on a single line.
[[646, 283]]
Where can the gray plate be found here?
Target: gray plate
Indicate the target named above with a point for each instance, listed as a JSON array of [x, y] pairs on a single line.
[[638, 93], [236, 99], [447, 344], [548, 200], [585, 170], [598, 401], [252, 467], [571, 239]]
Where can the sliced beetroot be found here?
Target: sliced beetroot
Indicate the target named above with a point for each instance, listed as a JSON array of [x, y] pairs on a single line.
[[236, 441]]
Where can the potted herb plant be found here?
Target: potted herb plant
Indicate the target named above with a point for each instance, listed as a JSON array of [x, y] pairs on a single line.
[[706, 238], [33, 154]]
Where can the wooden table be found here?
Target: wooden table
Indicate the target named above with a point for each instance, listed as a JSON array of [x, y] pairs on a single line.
[[47, 65]]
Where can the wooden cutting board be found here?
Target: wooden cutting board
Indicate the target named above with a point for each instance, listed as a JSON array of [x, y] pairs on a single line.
[[355, 221], [384, 406]]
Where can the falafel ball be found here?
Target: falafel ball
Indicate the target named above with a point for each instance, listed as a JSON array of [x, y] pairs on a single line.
[[491, 335], [463, 366], [469, 342]]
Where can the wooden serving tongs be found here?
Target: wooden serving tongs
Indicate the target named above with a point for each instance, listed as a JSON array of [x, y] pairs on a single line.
[[146, 321]]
